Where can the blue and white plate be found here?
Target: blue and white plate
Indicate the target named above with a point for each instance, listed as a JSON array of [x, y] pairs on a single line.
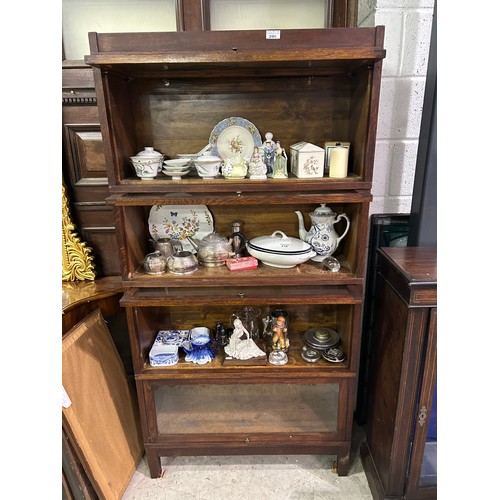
[[234, 136]]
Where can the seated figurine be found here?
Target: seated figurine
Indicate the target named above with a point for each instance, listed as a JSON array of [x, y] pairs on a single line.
[[256, 166], [241, 344]]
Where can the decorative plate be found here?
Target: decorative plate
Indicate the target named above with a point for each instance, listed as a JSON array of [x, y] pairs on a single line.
[[233, 136], [180, 221]]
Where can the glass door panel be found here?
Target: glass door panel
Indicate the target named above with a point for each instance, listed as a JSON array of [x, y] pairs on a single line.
[[267, 14], [428, 473], [111, 16], [247, 408]]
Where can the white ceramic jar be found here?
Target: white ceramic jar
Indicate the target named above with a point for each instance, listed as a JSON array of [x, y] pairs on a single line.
[[147, 163]]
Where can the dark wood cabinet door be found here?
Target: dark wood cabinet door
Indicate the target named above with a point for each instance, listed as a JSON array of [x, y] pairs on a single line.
[[422, 475], [403, 376]]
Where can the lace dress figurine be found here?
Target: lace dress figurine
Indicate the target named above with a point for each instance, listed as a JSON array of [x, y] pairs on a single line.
[[256, 166], [241, 344], [280, 161]]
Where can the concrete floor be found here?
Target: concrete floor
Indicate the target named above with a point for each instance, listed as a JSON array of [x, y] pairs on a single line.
[[258, 477]]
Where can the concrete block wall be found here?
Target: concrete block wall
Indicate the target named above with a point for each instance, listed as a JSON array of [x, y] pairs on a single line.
[[408, 25]]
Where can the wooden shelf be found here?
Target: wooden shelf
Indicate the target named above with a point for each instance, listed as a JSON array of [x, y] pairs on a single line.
[[263, 275], [192, 184], [296, 370]]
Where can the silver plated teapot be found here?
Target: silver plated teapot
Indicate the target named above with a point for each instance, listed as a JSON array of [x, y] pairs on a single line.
[[213, 249]]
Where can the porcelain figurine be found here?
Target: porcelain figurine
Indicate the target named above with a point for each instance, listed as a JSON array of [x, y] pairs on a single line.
[[280, 338], [269, 146], [256, 166], [241, 345], [280, 163], [322, 235]]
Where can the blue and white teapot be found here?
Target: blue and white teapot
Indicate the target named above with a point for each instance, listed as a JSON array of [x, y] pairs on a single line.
[[322, 235]]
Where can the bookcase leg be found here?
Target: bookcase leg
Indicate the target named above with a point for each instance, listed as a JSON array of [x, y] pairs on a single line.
[[154, 463], [343, 464]]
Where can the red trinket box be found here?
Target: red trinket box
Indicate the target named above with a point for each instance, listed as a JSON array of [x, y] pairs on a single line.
[[241, 263]]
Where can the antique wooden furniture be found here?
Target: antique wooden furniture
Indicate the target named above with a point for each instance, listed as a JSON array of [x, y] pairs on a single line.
[[84, 169], [399, 456], [169, 90]]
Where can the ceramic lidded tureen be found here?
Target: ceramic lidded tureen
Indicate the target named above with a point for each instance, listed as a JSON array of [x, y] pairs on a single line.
[[280, 250]]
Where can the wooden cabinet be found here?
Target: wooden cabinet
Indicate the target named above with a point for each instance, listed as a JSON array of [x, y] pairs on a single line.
[[84, 167], [399, 455], [169, 90]]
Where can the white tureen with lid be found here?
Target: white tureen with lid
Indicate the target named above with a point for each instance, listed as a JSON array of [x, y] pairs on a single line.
[[280, 250]]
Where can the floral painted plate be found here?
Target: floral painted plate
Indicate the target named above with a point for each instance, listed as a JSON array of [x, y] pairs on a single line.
[[233, 136], [180, 221]]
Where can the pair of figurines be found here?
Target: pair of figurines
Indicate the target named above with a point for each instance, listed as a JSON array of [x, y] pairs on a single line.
[[268, 161]]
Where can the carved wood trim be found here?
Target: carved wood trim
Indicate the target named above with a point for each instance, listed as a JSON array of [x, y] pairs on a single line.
[[77, 262]]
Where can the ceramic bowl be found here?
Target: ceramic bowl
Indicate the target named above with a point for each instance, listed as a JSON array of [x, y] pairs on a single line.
[[175, 169], [177, 163], [280, 250], [146, 168], [187, 156], [207, 166], [199, 330], [176, 176]]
